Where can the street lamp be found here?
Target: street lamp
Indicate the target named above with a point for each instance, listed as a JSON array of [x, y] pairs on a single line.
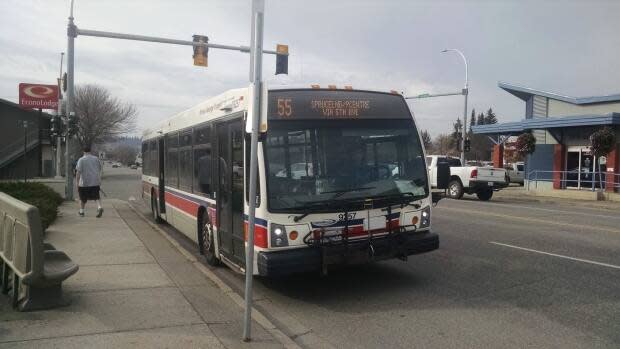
[[465, 93]]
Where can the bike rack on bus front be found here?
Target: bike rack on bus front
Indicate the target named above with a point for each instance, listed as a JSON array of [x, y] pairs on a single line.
[[337, 247]]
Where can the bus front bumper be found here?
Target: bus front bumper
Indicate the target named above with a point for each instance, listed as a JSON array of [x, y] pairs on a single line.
[[317, 258]]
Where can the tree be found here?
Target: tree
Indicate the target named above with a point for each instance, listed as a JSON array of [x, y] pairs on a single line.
[[426, 139], [442, 145], [602, 142], [490, 118], [472, 119], [480, 119], [100, 115], [456, 135]]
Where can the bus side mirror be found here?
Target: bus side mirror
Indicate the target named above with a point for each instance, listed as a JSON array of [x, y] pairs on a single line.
[[443, 175]]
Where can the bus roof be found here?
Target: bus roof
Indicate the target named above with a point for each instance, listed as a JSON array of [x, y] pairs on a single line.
[[230, 102]]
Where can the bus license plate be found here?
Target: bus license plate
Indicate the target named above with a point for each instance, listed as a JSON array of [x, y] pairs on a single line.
[[490, 184]]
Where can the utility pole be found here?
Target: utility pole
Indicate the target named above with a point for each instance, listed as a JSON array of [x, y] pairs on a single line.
[[59, 113], [71, 34], [256, 68]]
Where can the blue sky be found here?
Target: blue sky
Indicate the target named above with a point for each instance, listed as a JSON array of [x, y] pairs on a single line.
[[568, 47]]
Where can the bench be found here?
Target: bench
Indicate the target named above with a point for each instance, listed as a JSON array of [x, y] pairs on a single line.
[[30, 268]]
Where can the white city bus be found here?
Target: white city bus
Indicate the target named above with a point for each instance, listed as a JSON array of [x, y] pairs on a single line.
[[341, 179]]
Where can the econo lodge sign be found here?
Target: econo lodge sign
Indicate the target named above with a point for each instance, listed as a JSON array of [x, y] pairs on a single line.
[[37, 96]]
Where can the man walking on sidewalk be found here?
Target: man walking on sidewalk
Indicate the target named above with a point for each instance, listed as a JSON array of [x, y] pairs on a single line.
[[88, 179]]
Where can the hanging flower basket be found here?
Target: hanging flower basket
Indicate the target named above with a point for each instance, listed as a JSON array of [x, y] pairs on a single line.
[[525, 144], [602, 142]]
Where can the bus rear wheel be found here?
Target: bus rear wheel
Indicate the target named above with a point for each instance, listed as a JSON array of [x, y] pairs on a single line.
[[206, 243]]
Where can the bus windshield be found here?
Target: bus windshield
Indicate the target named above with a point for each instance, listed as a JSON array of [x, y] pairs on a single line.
[[314, 161]]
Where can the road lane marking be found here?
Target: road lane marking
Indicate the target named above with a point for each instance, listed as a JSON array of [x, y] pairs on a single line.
[[534, 220], [556, 255], [547, 210]]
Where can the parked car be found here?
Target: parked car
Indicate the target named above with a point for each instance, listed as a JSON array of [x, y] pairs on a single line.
[[115, 166], [133, 167], [478, 180], [515, 172]]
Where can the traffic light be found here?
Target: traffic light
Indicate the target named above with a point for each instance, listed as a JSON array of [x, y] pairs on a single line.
[[55, 125], [201, 52], [71, 125], [281, 59], [467, 145]]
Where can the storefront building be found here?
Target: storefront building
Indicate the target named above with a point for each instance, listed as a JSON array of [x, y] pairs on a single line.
[[562, 126]]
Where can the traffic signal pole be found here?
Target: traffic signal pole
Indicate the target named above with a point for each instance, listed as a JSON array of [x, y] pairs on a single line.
[[256, 50], [71, 35]]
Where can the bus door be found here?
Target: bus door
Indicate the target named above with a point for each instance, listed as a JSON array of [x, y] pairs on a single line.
[[230, 189], [161, 183]]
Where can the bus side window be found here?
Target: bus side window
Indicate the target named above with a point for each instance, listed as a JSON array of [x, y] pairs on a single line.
[[185, 161], [172, 159], [202, 161]]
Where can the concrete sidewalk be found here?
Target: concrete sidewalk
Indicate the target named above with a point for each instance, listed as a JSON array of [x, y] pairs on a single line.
[[133, 289]]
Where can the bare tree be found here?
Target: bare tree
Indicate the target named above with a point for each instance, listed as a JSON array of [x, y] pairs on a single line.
[[100, 115], [426, 139]]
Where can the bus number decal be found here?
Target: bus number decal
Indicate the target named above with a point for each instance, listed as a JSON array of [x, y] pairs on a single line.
[[284, 107], [341, 217]]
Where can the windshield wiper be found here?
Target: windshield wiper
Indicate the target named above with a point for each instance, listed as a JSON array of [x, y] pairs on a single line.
[[341, 192], [309, 205]]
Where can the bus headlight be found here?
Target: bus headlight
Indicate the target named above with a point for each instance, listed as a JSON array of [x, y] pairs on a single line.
[[425, 220], [278, 235]]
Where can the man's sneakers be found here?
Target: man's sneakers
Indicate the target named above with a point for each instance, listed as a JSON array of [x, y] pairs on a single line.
[[99, 212], [81, 213]]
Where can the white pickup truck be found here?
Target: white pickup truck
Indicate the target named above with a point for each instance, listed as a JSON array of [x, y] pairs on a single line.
[[481, 181]]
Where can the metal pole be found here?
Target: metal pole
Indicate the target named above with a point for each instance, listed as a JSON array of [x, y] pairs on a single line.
[[59, 113], [26, 150], [71, 34], [122, 36], [465, 93], [258, 7]]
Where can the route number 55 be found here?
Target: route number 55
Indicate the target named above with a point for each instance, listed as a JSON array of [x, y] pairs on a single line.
[[284, 107]]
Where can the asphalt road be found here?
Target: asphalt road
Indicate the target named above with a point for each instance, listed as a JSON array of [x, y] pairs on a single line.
[[508, 274]]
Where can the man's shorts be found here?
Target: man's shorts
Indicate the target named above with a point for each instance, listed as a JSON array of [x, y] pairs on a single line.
[[88, 193]]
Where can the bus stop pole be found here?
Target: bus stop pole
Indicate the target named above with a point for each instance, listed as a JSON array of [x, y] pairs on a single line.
[[256, 61]]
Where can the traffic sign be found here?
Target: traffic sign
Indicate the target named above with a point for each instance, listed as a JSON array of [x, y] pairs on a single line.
[[37, 96]]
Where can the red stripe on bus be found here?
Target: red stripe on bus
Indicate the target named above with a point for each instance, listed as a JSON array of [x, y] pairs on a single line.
[[182, 204]]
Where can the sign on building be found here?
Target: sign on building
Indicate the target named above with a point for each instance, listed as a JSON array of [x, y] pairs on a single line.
[[37, 96]]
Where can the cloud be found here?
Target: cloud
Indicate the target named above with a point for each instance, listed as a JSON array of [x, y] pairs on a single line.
[[564, 46]]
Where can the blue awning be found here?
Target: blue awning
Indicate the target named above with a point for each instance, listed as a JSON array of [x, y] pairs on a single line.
[[510, 128]]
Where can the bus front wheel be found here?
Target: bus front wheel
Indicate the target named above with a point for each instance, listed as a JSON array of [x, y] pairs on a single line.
[[206, 242]]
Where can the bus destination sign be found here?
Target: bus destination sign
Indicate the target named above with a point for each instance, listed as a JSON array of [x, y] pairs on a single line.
[[335, 104]]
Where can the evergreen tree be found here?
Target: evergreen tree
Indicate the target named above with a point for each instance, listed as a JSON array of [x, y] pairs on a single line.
[[472, 119], [480, 119], [490, 118]]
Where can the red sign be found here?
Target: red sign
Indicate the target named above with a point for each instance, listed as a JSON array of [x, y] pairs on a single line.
[[37, 96]]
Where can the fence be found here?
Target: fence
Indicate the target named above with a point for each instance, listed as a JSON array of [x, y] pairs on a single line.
[[583, 180]]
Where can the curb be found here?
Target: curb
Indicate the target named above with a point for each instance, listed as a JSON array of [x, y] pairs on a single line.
[[257, 315]]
